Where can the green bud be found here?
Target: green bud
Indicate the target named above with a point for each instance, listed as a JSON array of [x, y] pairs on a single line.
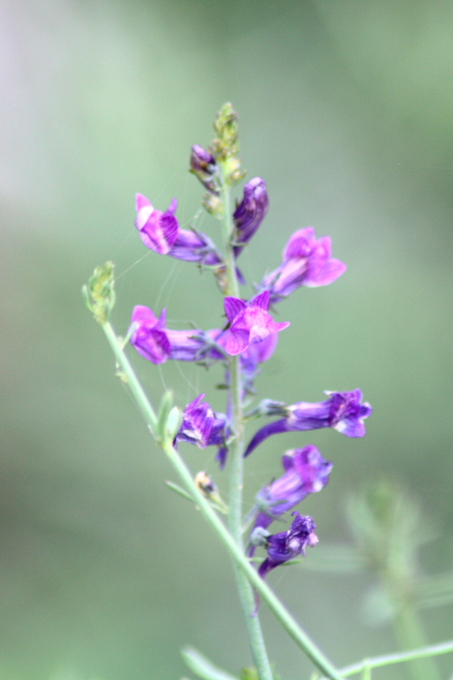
[[99, 295], [225, 146]]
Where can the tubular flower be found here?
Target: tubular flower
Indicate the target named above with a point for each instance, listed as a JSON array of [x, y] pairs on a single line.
[[161, 232], [201, 425], [156, 343], [249, 322], [306, 472], [306, 262], [289, 544], [250, 212], [342, 411]]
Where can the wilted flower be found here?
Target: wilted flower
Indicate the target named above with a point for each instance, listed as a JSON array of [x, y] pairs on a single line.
[[250, 212], [289, 544], [250, 322], [306, 262], [157, 343], [341, 411], [204, 167]]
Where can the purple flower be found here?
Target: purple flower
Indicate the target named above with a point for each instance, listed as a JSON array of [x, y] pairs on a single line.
[[341, 411], [289, 544], [158, 230], [249, 322], [306, 262], [204, 166], [161, 232], [156, 343], [201, 426], [250, 212], [306, 472]]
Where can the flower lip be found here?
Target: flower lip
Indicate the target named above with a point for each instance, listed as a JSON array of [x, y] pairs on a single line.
[[158, 230], [250, 322]]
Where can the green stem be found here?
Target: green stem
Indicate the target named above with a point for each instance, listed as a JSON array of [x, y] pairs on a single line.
[[409, 630], [242, 563], [400, 657], [235, 452]]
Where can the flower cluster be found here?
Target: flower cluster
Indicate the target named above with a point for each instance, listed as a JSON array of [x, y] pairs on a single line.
[[251, 334]]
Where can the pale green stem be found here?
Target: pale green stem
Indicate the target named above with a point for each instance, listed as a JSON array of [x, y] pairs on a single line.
[[410, 633], [236, 461], [241, 561], [400, 657]]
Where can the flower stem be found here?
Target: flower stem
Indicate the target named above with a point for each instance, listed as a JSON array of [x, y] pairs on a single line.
[[236, 451], [242, 563]]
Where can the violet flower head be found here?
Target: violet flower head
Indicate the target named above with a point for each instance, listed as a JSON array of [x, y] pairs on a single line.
[[343, 411], [158, 230], [204, 167], [250, 322], [250, 212], [289, 544], [161, 232], [157, 343], [306, 262], [201, 426], [306, 472]]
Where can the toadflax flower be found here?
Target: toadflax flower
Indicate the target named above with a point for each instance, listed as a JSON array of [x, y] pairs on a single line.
[[250, 212], [201, 425], [157, 343], [306, 472], [162, 233], [306, 262], [289, 544], [249, 322], [342, 411]]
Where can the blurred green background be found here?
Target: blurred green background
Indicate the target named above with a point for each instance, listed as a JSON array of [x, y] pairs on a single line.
[[346, 109]]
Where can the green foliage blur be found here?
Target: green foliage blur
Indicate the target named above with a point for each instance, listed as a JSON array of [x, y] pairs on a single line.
[[346, 110]]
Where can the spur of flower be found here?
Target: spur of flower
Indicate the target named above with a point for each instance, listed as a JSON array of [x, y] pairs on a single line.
[[342, 411], [306, 262], [248, 323]]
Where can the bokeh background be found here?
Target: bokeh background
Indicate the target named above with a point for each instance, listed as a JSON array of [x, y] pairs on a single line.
[[346, 110]]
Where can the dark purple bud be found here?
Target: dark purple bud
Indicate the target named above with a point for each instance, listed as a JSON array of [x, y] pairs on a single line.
[[306, 262], [289, 544], [250, 212], [250, 323], [343, 411], [157, 343], [204, 166]]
